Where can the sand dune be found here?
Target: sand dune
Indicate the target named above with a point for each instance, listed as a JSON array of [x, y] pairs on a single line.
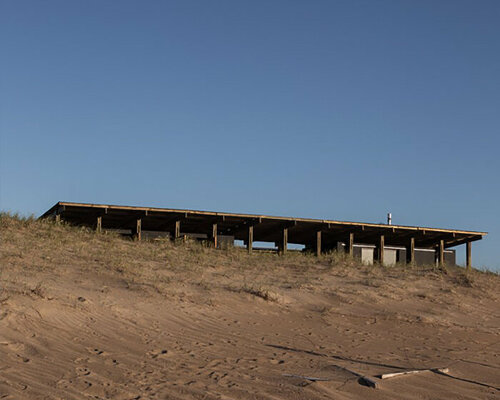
[[94, 316]]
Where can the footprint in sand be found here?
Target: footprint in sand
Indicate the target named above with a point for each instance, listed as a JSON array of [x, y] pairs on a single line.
[[217, 376], [82, 371], [24, 359], [158, 353], [95, 351]]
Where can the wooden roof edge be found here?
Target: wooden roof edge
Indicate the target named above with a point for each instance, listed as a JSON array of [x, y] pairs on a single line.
[[268, 217], [50, 210], [463, 240]]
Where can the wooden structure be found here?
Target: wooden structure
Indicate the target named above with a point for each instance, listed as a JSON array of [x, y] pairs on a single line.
[[315, 234]]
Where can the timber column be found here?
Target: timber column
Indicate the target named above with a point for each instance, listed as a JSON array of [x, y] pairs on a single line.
[[468, 256], [250, 239], [350, 245], [410, 252], [441, 253], [177, 230], [137, 230], [381, 250], [283, 243], [318, 243], [214, 235]]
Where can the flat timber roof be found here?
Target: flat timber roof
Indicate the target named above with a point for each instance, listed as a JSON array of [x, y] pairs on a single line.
[[266, 228]]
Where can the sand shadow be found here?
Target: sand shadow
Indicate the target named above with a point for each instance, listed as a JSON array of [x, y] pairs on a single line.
[[336, 357]]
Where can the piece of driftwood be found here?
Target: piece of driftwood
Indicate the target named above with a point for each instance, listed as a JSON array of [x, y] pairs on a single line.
[[416, 371]]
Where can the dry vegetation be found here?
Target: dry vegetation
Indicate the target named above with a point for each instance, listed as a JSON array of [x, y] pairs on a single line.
[[105, 317]]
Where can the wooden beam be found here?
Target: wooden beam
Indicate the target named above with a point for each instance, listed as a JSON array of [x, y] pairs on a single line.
[[318, 243], [98, 227], [410, 252], [468, 256], [214, 235], [350, 245], [250, 239], [381, 250], [441, 253]]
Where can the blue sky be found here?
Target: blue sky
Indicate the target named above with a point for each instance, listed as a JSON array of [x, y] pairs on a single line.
[[331, 109]]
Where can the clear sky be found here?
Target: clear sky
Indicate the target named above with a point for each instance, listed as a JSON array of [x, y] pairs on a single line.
[[331, 109]]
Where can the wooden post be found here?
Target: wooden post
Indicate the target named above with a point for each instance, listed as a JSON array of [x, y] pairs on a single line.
[[381, 250], [350, 247], [98, 227], [283, 244], [58, 219], [318, 243], [441, 253], [410, 252], [250, 239], [214, 235], [285, 240], [138, 229], [468, 256], [177, 230]]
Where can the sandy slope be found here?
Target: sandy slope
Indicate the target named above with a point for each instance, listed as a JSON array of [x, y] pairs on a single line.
[[193, 324]]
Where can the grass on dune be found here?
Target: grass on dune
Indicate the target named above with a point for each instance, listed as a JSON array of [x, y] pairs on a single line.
[[29, 246]]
